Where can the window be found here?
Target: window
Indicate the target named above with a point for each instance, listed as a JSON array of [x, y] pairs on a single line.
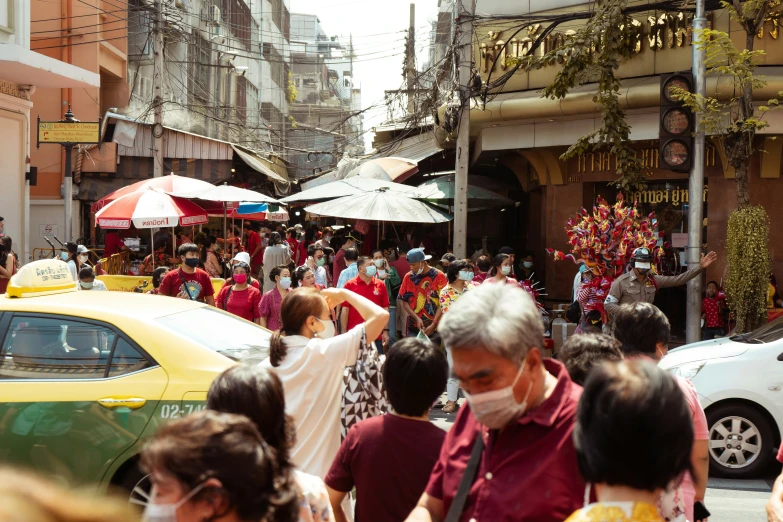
[[38, 347], [241, 101], [221, 332], [126, 359], [200, 67]]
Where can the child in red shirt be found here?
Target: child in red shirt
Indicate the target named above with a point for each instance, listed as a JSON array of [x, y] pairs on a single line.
[[711, 312]]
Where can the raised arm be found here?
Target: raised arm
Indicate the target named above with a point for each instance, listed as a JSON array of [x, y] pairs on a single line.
[[375, 317]]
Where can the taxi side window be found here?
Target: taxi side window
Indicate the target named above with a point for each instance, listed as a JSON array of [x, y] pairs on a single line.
[[126, 359], [38, 347]]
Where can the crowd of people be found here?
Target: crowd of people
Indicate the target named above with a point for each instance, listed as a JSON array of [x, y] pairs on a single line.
[[574, 438]]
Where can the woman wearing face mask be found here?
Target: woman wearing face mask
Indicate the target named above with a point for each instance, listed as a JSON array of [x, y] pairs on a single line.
[[212, 263], [215, 466], [269, 308], [69, 256], [460, 275], [310, 360], [87, 280], [240, 299], [82, 257], [501, 268], [257, 393], [276, 254]]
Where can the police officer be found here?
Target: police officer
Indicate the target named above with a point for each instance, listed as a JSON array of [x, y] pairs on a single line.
[[640, 285]]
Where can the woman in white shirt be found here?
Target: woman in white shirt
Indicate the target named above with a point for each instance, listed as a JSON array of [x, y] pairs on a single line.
[[69, 256], [276, 254], [310, 360]]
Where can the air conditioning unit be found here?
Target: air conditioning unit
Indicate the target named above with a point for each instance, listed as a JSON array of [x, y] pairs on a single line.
[[215, 14]]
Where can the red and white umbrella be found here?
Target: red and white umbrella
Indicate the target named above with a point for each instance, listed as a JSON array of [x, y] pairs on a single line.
[[150, 208], [172, 184]]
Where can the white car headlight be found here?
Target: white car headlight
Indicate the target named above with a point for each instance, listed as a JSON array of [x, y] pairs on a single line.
[[687, 370]]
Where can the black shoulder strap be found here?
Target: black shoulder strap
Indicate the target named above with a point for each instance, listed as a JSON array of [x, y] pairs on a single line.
[[184, 284], [228, 296], [458, 504]]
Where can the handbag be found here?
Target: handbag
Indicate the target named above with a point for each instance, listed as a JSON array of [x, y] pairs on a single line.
[[458, 504], [363, 393], [574, 313]]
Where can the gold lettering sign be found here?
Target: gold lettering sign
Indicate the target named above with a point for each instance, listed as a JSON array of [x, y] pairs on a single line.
[[595, 162], [655, 32], [675, 196]]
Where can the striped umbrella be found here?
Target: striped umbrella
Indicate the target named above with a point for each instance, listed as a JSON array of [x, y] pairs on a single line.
[[150, 208], [172, 184]]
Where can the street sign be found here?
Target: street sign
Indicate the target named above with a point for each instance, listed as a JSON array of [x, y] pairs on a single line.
[[64, 132], [48, 230]]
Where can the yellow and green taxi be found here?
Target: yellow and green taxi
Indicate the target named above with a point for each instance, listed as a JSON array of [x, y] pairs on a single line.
[[86, 376]]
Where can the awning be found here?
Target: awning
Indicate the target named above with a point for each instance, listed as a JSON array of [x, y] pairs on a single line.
[[26, 67], [259, 164], [415, 148]]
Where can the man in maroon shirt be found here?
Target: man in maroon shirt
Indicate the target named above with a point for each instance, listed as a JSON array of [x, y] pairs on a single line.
[[254, 248], [389, 458], [521, 406], [113, 244], [366, 285], [188, 281]]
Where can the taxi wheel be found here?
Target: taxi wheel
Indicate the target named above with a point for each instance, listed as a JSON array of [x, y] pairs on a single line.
[[135, 482]]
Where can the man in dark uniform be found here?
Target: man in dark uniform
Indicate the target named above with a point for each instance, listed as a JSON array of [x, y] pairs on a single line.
[[640, 285]]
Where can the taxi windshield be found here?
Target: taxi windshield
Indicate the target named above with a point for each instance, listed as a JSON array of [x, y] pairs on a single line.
[[221, 332]]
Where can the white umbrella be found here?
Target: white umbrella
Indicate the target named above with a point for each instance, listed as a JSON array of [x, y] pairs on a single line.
[[229, 193], [346, 187], [381, 205], [389, 169]]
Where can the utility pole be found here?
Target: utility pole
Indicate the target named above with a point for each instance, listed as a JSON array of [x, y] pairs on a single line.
[[410, 59], [464, 59], [696, 189], [157, 80], [68, 185]]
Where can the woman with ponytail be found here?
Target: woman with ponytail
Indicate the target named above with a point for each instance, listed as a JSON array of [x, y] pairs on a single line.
[[257, 393], [310, 359]]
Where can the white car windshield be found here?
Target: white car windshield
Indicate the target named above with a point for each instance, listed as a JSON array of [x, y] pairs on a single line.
[[222, 332]]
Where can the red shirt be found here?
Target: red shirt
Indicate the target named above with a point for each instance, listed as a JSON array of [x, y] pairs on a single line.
[[293, 244], [339, 265], [254, 240], [401, 265], [230, 281], [113, 244], [527, 472], [366, 449], [243, 303], [479, 277], [375, 291], [710, 307], [199, 284]]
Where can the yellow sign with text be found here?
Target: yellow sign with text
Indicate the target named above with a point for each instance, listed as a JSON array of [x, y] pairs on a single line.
[[143, 284], [66, 132]]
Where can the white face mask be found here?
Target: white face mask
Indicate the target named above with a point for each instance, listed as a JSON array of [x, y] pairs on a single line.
[[167, 512], [328, 331], [505, 270], [527, 264], [83, 259], [495, 409], [378, 262], [641, 265]]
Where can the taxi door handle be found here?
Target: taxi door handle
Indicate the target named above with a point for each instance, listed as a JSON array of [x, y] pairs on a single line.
[[133, 403]]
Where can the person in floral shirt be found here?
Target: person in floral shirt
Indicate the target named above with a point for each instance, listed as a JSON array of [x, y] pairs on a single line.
[[460, 276], [625, 408], [420, 294], [257, 393]]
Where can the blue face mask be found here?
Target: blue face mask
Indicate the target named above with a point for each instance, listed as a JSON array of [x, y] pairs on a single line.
[[64, 256], [285, 282], [464, 275], [371, 270]]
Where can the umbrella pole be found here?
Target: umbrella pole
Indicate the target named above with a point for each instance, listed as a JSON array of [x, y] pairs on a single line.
[[233, 243], [173, 242], [378, 235], [449, 233], [225, 222], [152, 248]]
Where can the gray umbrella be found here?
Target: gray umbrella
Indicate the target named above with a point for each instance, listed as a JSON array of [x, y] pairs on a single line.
[[381, 205], [346, 187], [441, 190]]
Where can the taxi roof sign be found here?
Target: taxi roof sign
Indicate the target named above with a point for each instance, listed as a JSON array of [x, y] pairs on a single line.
[[44, 277]]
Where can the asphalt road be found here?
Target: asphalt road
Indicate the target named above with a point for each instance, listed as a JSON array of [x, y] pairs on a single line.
[[728, 500]]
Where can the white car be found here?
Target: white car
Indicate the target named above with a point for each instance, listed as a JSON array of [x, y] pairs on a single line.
[[740, 384]]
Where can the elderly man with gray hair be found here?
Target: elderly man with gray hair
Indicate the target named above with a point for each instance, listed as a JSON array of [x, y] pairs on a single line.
[[509, 455]]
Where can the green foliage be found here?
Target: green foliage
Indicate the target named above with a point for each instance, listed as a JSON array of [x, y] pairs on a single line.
[[292, 121], [592, 54], [291, 92], [749, 266]]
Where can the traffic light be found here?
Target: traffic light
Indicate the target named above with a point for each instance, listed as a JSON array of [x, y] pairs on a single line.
[[676, 124]]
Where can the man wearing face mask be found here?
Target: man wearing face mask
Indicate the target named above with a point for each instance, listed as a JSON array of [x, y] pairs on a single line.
[[367, 285], [420, 294], [316, 261], [388, 274], [640, 284], [518, 425], [188, 281], [87, 280]]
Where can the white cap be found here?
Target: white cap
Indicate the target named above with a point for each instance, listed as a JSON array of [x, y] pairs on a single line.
[[81, 249], [242, 257]]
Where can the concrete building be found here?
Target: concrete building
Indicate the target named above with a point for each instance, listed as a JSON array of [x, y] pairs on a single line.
[[328, 96], [37, 77]]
